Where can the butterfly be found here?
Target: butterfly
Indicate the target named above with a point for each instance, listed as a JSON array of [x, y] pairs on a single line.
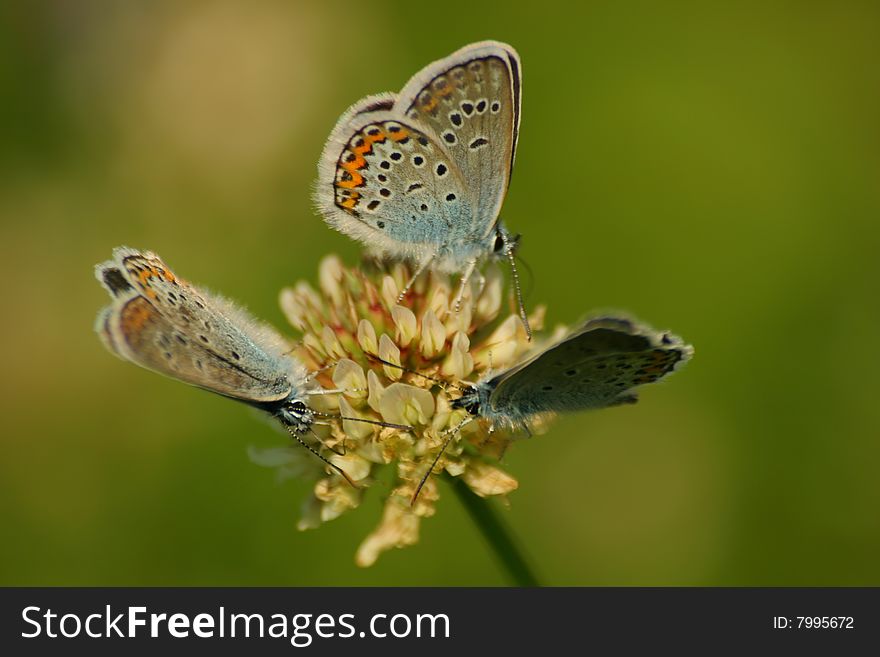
[[598, 365], [421, 175], [160, 322]]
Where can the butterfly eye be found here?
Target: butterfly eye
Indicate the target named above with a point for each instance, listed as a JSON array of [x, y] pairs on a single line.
[[498, 247]]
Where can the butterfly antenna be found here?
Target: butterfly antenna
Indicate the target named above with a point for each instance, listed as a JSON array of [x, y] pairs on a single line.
[[450, 434], [530, 275], [510, 251], [390, 425], [295, 436], [440, 382]]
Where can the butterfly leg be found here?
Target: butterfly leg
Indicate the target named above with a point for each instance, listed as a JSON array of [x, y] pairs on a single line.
[[449, 433], [311, 376], [465, 279], [334, 391], [423, 265]]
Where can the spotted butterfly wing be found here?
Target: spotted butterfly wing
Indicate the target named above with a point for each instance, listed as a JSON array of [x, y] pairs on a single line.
[[427, 170], [471, 102], [164, 324], [394, 187], [596, 366]]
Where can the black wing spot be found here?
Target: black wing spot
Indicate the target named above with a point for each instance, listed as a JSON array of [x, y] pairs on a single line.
[[495, 107], [570, 372], [380, 224], [203, 339], [449, 137], [423, 207], [372, 205], [418, 160], [455, 118], [441, 170], [479, 141], [396, 156], [236, 355], [423, 140], [467, 108], [413, 187], [385, 164], [385, 192], [450, 197], [481, 107], [382, 177]]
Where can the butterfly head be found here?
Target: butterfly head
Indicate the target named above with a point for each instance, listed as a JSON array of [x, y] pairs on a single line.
[[296, 414], [473, 399], [504, 244]]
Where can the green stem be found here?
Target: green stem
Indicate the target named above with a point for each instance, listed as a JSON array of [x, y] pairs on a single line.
[[496, 533]]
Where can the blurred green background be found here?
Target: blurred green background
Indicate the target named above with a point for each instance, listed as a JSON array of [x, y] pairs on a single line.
[[714, 170]]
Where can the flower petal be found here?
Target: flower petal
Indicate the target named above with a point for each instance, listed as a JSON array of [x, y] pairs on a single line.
[[433, 335], [376, 390], [460, 321], [389, 351], [331, 343], [402, 403], [501, 348], [353, 429], [330, 276], [405, 323], [390, 292], [294, 310], [486, 480], [367, 337], [337, 495], [459, 363], [399, 528], [349, 377], [355, 466], [489, 303]]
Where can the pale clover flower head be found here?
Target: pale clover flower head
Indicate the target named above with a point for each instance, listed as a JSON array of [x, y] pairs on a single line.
[[353, 317]]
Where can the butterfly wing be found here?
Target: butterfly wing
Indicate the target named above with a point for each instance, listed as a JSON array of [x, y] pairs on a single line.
[[386, 182], [164, 324], [471, 103], [428, 168], [596, 366]]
